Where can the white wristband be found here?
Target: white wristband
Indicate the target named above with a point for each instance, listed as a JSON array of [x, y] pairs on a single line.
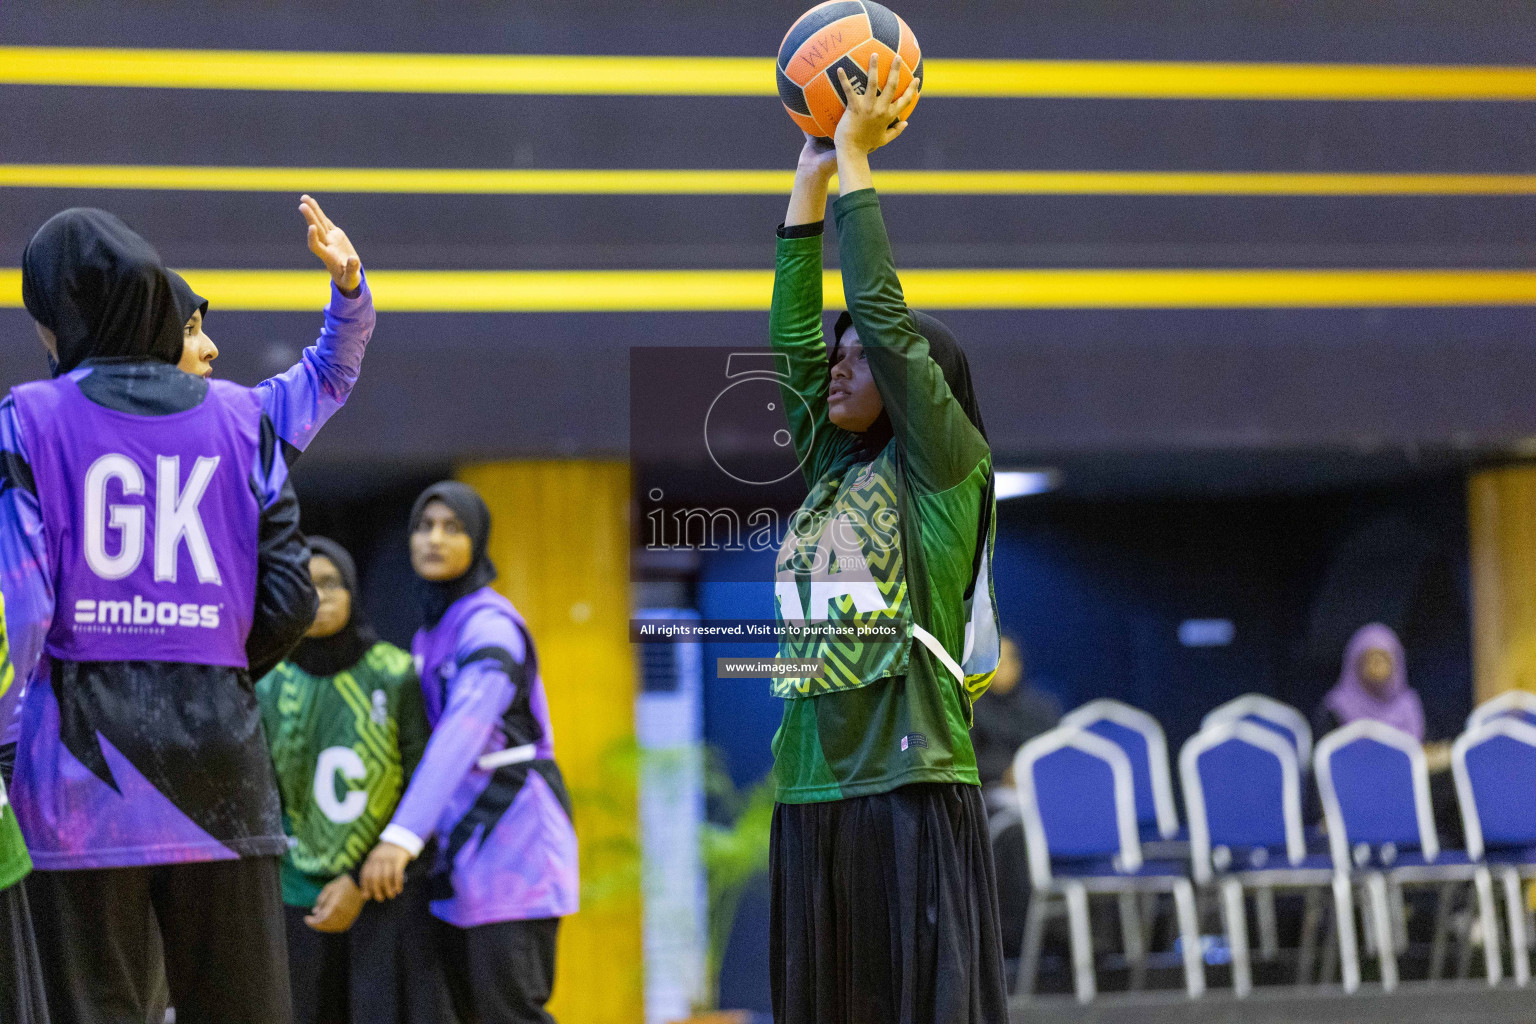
[[404, 838]]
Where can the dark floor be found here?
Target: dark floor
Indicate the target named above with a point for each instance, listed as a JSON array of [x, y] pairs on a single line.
[[1413, 1003]]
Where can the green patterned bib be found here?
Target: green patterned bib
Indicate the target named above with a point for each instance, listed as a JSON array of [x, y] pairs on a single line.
[[840, 563]]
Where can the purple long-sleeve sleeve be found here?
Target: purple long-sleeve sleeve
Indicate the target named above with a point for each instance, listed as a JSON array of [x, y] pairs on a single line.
[[503, 825], [468, 724], [302, 398], [24, 577]]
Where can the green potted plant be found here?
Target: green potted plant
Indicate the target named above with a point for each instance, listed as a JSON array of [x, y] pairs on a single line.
[[734, 855]]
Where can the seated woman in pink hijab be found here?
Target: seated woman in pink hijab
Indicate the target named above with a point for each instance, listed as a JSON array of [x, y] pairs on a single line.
[[1373, 683]]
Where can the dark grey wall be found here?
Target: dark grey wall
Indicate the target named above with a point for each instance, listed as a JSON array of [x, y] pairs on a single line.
[[1396, 385]]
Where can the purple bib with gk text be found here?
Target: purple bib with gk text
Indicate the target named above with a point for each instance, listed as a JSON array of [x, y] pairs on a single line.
[[152, 523]]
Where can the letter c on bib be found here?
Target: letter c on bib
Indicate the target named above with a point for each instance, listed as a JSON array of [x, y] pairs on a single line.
[[345, 761]]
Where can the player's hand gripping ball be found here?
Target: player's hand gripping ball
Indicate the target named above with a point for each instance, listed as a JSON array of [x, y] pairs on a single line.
[[841, 34]]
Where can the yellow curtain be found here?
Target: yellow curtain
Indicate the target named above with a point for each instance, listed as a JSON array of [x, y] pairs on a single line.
[[1501, 509], [560, 538]]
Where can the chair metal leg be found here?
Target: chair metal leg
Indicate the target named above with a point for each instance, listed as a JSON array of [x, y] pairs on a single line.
[[1311, 917], [1236, 917], [1514, 900], [1134, 939], [1035, 915], [1328, 959], [1082, 941], [1344, 915], [1444, 899], [1489, 920], [1464, 927], [1368, 927], [1381, 924], [1148, 919], [1269, 928], [1399, 908], [1189, 932]]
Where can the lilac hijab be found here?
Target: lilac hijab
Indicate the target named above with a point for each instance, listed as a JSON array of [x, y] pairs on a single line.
[[1351, 700]]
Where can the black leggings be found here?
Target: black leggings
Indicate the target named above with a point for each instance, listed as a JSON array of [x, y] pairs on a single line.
[[116, 943], [500, 973]]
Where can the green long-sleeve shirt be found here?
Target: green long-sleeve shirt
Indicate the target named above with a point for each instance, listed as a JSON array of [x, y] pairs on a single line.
[[888, 536], [344, 747]]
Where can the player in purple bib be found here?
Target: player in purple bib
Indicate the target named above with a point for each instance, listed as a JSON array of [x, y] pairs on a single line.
[[298, 401], [487, 786], [164, 531]]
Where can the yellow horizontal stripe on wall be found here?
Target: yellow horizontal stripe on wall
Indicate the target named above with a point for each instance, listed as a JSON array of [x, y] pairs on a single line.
[[400, 180], [573, 291], [306, 71]]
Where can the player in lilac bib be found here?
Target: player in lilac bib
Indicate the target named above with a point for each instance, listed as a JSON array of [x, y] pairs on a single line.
[[487, 786], [163, 531], [298, 401]]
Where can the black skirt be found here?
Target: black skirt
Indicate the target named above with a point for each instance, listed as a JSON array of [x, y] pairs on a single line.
[[383, 970], [885, 911], [21, 975]]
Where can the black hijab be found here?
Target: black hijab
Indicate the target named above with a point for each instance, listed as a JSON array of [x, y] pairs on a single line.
[[328, 655], [435, 597], [944, 349], [102, 290], [186, 298]]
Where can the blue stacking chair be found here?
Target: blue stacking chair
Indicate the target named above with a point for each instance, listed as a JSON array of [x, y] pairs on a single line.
[[1293, 725], [1142, 739], [1520, 704], [1495, 767], [1157, 817], [1077, 799], [1374, 784], [1242, 795]]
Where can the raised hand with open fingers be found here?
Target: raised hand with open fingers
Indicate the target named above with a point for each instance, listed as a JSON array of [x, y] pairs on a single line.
[[332, 245], [873, 117]]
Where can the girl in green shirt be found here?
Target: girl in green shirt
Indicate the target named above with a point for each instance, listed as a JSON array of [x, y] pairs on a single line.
[[884, 894], [346, 724]]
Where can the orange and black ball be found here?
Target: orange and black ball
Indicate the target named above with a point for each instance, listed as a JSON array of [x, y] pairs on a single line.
[[841, 34]]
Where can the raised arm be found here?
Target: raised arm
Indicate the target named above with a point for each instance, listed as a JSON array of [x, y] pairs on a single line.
[[300, 400], [942, 447], [25, 579], [794, 324]]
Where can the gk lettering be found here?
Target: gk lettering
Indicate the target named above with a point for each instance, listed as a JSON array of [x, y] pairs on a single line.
[[177, 518]]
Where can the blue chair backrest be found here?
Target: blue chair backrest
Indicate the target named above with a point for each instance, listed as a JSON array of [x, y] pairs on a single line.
[[1138, 734], [1272, 714], [1495, 766], [1076, 795], [1076, 799], [1517, 704], [1282, 730], [1241, 790], [1135, 746], [1374, 785]]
